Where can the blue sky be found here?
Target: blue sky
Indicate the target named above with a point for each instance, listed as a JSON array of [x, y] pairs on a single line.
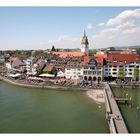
[[42, 27]]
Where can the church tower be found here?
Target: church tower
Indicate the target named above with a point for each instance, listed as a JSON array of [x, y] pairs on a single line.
[[84, 44]]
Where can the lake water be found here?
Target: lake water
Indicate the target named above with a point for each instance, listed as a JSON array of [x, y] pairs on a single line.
[[130, 114], [30, 110]]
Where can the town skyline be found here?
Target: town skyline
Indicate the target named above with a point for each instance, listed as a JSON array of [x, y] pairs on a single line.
[[40, 28]]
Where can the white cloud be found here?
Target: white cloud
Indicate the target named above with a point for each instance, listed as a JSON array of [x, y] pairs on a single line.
[[122, 30], [110, 30], [126, 25], [101, 24], [126, 16], [89, 26]]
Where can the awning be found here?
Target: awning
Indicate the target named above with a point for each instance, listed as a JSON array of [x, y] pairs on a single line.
[[36, 78], [14, 75], [46, 75], [62, 79]]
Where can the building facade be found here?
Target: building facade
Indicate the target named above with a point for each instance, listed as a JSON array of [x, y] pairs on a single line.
[[92, 72], [31, 70]]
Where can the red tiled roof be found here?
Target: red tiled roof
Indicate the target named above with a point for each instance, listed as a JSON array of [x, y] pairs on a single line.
[[101, 55], [100, 60], [48, 69], [39, 61], [86, 59], [11, 59], [126, 58], [70, 54]]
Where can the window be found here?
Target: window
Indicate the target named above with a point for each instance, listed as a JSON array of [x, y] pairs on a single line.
[[114, 73], [120, 66], [85, 72], [131, 66], [114, 69]]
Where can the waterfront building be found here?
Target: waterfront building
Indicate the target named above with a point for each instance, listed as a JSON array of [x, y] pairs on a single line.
[[34, 66], [92, 71], [126, 62], [74, 69], [61, 73], [49, 70], [2, 59], [29, 68], [15, 64]]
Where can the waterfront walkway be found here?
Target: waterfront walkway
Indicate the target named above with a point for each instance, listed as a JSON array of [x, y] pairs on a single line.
[[113, 114], [22, 84]]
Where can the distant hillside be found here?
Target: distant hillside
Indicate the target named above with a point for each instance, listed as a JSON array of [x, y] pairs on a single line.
[[124, 47]]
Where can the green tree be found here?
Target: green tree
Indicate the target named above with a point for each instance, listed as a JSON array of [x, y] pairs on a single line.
[[53, 49], [111, 48], [138, 50], [121, 73], [136, 73], [92, 52]]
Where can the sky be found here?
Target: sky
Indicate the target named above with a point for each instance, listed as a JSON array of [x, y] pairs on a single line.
[[41, 27]]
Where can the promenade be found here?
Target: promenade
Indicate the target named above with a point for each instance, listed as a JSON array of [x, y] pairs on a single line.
[[113, 114], [17, 83]]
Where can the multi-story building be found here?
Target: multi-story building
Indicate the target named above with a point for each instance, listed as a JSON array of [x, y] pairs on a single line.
[[74, 70], [92, 72], [127, 62], [29, 66]]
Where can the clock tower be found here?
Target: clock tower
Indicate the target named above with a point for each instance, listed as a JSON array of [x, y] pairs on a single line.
[[84, 44]]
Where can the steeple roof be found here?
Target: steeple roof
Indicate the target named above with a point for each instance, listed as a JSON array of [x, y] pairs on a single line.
[[84, 39]]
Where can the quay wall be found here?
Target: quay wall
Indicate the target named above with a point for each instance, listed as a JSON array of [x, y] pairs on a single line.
[[41, 86], [125, 86]]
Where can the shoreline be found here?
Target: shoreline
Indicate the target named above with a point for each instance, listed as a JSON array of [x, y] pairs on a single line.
[[40, 86], [97, 95]]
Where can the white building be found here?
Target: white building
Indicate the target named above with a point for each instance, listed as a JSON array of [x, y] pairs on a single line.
[[60, 74], [31, 70], [74, 73], [111, 71]]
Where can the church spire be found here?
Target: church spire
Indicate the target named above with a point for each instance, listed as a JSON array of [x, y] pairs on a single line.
[[84, 44], [84, 39], [84, 33]]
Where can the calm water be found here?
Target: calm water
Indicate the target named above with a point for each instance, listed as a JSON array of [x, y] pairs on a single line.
[[41, 110], [131, 115]]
